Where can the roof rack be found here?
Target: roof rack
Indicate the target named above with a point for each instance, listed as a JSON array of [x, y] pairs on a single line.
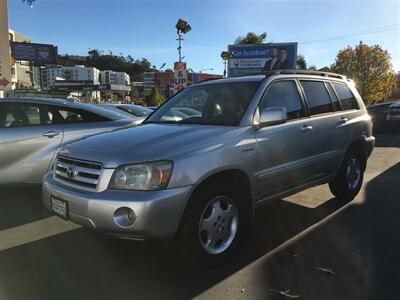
[[301, 72]]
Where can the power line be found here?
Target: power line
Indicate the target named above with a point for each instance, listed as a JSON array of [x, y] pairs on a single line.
[[360, 33]]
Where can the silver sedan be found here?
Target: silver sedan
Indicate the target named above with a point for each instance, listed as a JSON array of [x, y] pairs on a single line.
[[31, 130]]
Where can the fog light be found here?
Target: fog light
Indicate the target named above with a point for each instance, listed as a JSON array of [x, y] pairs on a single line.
[[124, 217]]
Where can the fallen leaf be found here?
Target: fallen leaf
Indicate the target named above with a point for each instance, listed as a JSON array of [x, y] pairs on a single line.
[[326, 270], [286, 294]]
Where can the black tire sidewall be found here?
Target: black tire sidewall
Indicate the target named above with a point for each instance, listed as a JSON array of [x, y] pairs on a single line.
[[188, 238], [338, 186]]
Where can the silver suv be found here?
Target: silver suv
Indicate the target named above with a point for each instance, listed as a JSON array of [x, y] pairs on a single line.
[[196, 179]]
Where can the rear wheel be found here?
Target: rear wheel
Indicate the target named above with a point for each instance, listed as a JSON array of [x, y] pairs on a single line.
[[348, 181], [213, 225]]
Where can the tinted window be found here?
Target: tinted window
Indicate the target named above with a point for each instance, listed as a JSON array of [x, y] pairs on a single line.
[[22, 115], [208, 104], [283, 94], [68, 115], [346, 97], [136, 110], [317, 97], [334, 98]]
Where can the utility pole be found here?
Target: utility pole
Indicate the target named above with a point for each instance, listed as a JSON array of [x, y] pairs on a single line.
[[180, 39], [182, 27]]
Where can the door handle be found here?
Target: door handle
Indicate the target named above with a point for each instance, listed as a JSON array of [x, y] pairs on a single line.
[[306, 127], [343, 120], [51, 134]]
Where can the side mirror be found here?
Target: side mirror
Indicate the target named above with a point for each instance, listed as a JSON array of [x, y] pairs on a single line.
[[272, 116]]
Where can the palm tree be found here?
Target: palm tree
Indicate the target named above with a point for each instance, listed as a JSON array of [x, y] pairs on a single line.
[[251, 38]]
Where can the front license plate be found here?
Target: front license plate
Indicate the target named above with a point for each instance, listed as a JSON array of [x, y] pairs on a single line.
[[59, 207]]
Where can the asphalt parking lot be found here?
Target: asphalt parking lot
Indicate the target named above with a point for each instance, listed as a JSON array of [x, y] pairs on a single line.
[[308, 245]]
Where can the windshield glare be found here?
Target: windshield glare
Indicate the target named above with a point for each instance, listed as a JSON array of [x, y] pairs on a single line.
[[213, 104]]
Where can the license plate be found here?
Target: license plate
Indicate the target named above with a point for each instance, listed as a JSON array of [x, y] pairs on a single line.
[[59, 207]]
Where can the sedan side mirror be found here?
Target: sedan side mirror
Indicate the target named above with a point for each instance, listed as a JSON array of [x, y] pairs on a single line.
[[273, 116]]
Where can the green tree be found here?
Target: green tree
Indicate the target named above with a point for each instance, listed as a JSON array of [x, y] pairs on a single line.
[[301, 63], [134, 93], [370, 68], [251, 38], [154, 98]]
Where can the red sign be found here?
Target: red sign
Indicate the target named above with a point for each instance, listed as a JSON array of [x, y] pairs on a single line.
[[4, 82]]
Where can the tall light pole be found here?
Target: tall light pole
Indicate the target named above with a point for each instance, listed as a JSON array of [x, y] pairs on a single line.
[[182, 27], [225, 55]]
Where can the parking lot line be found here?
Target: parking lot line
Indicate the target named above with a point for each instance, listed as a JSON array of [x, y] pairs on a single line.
[[34, 231]]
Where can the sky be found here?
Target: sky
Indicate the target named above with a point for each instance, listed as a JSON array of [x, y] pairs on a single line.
[[146, 28]]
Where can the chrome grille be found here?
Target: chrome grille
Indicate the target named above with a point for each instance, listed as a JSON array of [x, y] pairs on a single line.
[[80, 174]]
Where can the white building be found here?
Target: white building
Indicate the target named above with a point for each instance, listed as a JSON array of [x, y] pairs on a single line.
[[112, 77], [21, 72], [79, 73]]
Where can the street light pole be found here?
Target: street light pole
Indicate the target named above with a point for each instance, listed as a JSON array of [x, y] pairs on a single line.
[[180, 38], [182, 27]]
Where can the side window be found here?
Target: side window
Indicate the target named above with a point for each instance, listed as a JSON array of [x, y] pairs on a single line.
[[317, 96], [346, 97], [22, 115], [67, 115], [283, 94], [334, 98]]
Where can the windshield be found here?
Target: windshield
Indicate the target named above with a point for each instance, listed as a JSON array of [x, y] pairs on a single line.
[[214, 104]]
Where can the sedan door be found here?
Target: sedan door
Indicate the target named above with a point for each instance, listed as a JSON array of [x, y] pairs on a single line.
[[284, 152], [28, 141]]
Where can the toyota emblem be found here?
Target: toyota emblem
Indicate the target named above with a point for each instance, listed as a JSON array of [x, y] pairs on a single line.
[[70, 172]]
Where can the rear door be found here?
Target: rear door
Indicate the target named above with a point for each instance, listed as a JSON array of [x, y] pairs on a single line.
[[284, 152], [331, 127], [29, 136], [78, 123]]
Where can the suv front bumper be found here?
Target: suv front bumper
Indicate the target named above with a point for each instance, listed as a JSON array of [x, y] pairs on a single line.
[[158, 213]]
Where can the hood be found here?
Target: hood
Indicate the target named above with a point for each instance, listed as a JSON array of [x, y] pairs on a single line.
[[149, 142]]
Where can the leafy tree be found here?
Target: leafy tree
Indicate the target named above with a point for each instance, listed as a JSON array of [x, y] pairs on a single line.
[[301, 63], [154, 98], [370, 68], [251, 38], [134, 93]]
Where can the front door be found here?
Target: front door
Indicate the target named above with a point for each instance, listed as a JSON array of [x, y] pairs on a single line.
[[284, 152], [28, 140]]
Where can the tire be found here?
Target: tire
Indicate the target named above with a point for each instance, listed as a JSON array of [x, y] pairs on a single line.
[[216, 212], [348, 181]]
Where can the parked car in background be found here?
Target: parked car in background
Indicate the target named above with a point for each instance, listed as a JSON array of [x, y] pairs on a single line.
[[31, 130], [378, 113], [393, 116], [197, 179]]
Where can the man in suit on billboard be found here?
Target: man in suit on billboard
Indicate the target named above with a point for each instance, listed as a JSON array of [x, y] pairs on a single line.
[[283, 62], [273, 61]]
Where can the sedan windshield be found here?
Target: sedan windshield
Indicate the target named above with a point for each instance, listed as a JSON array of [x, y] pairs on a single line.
[[212, 104]]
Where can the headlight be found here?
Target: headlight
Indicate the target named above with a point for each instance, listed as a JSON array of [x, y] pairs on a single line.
[[142, 177]]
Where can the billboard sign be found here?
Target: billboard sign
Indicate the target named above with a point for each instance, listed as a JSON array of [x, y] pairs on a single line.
[[253, 59], [38, 53]]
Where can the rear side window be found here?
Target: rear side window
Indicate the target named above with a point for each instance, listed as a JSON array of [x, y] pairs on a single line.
[[24, 114], [346, 97], [283, 94], [334, 98], [317, 97], [68, 116]]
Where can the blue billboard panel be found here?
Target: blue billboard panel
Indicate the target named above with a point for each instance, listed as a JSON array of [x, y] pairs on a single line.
[[253, 59], [39, 53]]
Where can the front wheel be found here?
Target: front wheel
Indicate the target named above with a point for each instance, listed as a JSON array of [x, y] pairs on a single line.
[[348, 181], [213, 224]]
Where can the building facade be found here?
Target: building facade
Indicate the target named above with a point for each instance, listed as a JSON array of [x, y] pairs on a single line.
[[113, 77], [53, 76]]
